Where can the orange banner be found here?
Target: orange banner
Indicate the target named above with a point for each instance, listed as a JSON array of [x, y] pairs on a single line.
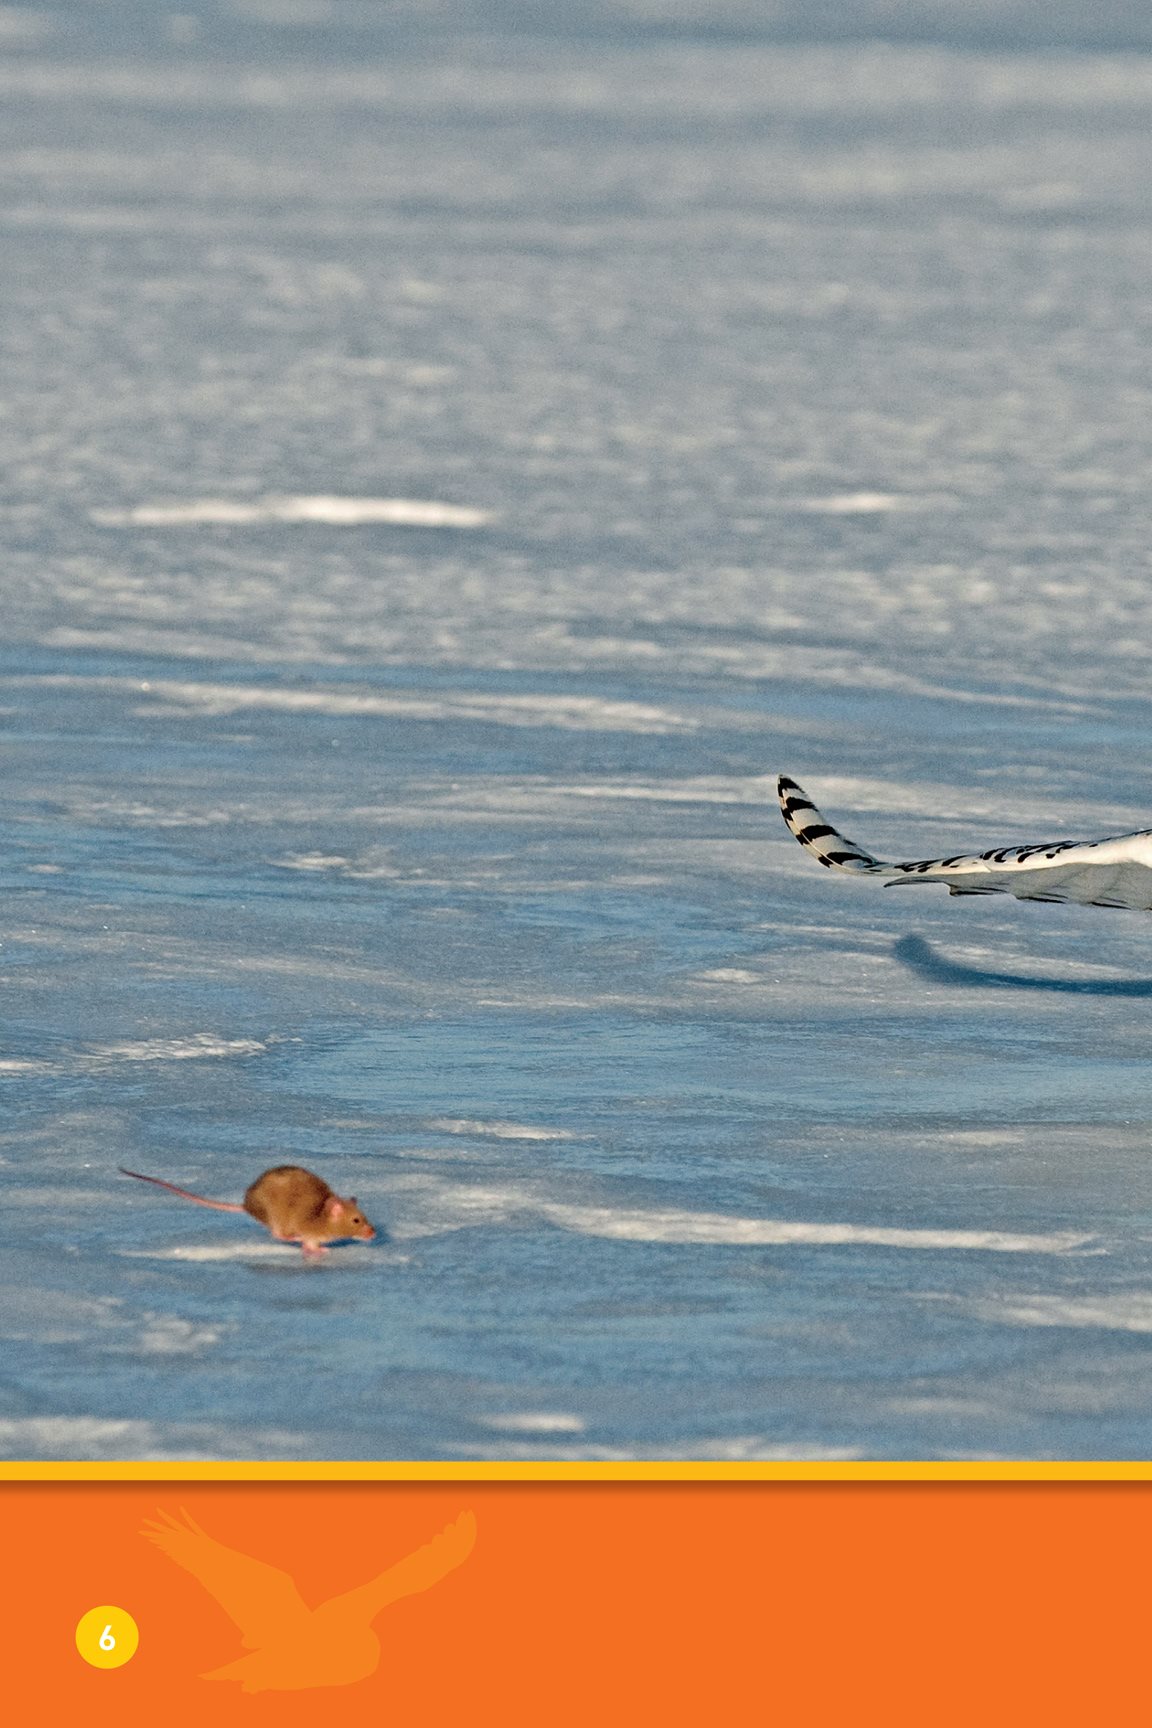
[[575, 1603]]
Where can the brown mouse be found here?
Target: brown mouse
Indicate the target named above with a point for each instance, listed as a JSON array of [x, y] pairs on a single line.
[[292, 1203]]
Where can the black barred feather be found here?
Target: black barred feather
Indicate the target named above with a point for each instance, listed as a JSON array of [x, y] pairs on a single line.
[[1116, 871]]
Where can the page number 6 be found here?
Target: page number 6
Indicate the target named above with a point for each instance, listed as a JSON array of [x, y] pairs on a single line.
[[107, 1636]]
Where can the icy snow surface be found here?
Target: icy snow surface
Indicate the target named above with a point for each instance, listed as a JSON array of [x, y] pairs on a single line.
[[446, 476]]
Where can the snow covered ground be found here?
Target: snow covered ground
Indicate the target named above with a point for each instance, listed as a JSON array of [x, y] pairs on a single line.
[[446, 477]]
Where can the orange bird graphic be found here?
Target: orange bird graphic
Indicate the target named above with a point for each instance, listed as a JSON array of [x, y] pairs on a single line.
[[293, 1646]]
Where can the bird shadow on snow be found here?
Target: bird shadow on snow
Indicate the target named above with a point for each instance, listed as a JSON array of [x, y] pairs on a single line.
[[920, 957]]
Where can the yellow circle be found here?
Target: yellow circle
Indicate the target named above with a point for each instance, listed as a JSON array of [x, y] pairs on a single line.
[[107, 1637]]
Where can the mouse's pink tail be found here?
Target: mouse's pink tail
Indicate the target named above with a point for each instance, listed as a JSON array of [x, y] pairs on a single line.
[[218, 1205]]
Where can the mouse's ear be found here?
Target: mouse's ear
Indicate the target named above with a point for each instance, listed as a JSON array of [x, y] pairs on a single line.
[[333, 1206]]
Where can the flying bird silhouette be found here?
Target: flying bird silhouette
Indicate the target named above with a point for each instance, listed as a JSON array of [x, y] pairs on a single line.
[[293, 1646], [1110, 872]]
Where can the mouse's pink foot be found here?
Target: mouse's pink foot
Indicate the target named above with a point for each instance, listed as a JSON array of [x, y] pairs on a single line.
[[313, 1249]]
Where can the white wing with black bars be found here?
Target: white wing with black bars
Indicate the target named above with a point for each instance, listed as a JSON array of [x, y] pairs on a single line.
[[1116, 871]]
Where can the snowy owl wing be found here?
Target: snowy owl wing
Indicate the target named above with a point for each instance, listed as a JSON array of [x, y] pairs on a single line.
[[417, 1571], [260, 1598], [1111, 872]]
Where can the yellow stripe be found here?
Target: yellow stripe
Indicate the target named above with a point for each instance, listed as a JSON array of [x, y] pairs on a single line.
[[403, 1471]]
